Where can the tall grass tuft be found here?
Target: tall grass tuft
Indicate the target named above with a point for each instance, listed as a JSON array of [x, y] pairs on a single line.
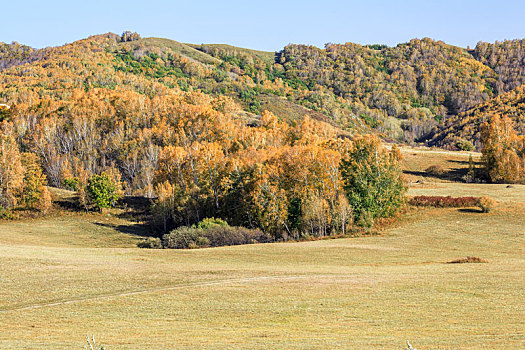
[[92, 344]]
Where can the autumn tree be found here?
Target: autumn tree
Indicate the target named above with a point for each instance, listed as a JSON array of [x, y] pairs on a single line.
[[11, 171], [35, 194], [502, 151]]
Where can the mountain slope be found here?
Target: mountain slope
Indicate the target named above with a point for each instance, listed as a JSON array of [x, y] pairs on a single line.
[[176, 47], [466, 126], [416, 91]]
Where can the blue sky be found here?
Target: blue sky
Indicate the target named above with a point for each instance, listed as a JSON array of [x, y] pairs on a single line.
[[265, 25]]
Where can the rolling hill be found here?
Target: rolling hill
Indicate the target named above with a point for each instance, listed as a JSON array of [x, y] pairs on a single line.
[[414, 92]]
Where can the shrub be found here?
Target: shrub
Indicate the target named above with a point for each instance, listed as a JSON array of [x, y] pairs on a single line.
[[443, 202], [7, 214], [71, 183], [183, 237], [485, 204], [214, 236], [102, 191], [435, 170], [227, 235], [151, 243], [464, 145], [207, 223]]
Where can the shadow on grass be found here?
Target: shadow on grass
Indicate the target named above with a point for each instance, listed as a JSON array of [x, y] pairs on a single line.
[[68, 204], [470, 210], [455, 174], [136, 208], [466, 162], [140, 230]]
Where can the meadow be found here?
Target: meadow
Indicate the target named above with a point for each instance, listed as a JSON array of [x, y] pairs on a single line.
[[65, 277]]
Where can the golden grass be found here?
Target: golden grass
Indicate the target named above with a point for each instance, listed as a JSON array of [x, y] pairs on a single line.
[[177, 47], [368, 292], [265, 56], [417, 160]]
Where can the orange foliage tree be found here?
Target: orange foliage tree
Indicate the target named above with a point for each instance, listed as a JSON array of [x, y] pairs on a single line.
[[503, 151]]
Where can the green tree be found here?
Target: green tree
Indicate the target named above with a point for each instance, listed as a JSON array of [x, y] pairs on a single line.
[[372, 181], [102, 191]]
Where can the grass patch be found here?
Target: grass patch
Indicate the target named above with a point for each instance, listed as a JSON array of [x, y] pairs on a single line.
[[364, 292]]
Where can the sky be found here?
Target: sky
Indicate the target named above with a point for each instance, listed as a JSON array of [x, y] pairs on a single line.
[[265, 25]]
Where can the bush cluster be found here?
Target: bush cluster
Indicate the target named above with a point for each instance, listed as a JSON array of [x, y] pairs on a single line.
[[209, 232], [214, 236], [468, 259], [443, 202], [150, 242], [484, 203]]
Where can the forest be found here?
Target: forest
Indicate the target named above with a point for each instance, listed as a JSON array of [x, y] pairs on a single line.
[[287, 143]]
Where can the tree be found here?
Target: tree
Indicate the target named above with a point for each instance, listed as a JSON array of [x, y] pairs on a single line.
[[372, 181], [4, 112], [129, 36], [35, 194], [11, 171], [502, 153], [102, 191]]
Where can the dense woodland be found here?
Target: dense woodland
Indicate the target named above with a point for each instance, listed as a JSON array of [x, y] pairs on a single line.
[[261, 140], [406, 93], [463, 131]]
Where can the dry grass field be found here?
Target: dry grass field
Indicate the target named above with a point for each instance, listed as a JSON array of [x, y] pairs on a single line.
[[66, 277]]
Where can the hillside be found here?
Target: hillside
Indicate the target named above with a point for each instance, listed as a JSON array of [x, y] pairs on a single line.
[[409, 92], [507, 58], [419, 80], [183, 50], [157, 194], [466, 125], [113, 101]]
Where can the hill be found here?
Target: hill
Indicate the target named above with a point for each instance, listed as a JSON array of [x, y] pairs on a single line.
[[113, 100], [466, 126], [183, 50], [409, 92]]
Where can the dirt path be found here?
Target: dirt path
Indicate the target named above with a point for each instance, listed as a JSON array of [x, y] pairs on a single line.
[[162, 289]]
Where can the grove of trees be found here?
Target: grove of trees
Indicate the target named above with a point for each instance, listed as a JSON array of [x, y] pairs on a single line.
[[188, 126]]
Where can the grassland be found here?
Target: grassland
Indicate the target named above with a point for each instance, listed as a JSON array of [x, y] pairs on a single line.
[[177, 47], [265, 56], [65, 277]]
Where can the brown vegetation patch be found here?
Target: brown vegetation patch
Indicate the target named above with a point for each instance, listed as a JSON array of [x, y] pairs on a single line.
[[443, 202], [468, 259], [435, 170]]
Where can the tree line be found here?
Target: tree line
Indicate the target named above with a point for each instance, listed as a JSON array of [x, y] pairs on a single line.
[[197, 156]]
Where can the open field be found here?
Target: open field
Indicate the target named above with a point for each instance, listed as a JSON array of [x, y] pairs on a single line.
[[455, 164], [64, 278]]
